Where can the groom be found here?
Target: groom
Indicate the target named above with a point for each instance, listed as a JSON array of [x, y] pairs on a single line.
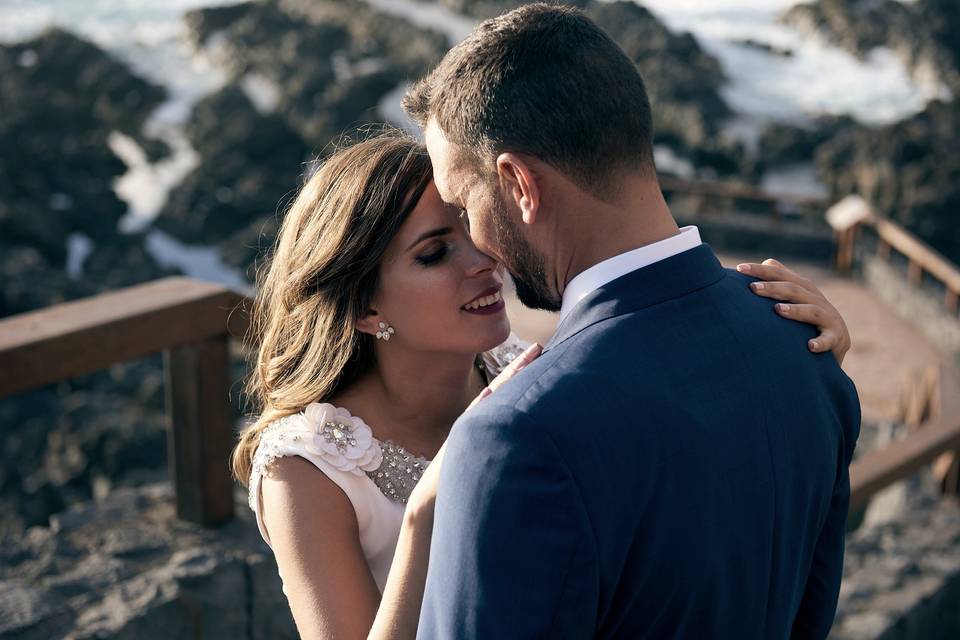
[[675, 464]]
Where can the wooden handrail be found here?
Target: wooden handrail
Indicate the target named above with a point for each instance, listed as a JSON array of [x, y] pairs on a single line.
[[82, 336], [736, 191], [923, 258], [191, 322], [879, 469]]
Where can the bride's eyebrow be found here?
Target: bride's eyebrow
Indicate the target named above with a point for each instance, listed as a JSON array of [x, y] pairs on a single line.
[[442, 231]]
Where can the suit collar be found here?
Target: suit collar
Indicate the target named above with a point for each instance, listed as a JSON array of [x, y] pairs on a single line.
[[670, 278]]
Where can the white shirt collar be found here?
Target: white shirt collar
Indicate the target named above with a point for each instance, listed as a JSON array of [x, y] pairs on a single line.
[[612, 268]]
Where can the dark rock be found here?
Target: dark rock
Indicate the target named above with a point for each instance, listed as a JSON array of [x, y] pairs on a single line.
[[484, 9], [31, 613], [21, 268], [203, 23], [784, 144], [123, 262], [923, 33], [330, 62], [60, 97], [127, 568], [683, 82], [909, 171], [250, 162], [248, 248]]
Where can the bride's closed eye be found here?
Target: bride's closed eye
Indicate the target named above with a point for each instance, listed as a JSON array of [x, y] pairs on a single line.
[[434, 256]]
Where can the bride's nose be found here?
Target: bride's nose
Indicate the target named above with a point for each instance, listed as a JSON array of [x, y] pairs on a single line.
[[480, 263]]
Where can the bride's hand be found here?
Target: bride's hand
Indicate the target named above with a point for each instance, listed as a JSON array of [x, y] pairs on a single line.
[[802, 301], [529, 355], [424, 495]]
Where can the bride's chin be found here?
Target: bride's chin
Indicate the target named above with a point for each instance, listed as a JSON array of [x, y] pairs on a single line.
[[496, 338]]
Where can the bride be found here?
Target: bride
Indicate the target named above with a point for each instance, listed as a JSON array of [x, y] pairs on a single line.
[[378, 323]]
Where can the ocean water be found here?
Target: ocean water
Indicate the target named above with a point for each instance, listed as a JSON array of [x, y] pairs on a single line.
[[150, 36]]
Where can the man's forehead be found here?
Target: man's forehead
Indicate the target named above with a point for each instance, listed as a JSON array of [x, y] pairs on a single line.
[[443, 156]]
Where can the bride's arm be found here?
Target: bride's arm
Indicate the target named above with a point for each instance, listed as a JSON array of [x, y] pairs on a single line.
[[316, 540], [399, 611]]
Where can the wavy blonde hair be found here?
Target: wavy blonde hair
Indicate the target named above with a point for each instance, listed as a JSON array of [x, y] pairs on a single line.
[[321, 276]]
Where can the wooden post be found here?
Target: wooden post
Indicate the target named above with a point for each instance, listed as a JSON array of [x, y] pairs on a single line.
[[200, 433], [950, 300], [914, 272], [883, 249], [845, 242]]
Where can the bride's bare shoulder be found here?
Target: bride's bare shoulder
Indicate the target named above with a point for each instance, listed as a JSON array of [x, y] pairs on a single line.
[[295, 493]]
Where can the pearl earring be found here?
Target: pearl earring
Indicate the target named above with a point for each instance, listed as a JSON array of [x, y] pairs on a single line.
[[385, 331]]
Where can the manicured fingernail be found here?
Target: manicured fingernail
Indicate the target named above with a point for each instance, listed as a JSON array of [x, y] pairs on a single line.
[[783, 307], [757, 286], [814, 344], [743, 268]]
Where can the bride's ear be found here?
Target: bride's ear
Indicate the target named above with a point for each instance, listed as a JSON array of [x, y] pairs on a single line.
[[520, 181], [369, 322]]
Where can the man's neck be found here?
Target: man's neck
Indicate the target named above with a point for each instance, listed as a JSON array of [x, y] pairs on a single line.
[[640, 218]]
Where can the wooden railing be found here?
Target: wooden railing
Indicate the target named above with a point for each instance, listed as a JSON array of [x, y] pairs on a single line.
[[191, 322], [775, 206]]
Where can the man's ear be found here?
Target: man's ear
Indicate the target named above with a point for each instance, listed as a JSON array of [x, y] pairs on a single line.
[[517, 176]]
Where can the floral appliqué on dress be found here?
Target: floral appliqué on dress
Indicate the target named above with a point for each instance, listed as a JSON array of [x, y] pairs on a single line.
[[344, 441]]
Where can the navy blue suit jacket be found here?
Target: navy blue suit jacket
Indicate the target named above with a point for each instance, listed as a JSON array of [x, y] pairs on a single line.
[[673, 466]]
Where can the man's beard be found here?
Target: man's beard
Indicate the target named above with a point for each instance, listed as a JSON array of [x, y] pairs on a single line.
[[525, 264]]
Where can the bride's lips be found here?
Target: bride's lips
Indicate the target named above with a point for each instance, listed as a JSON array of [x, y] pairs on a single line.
[[487, 303]]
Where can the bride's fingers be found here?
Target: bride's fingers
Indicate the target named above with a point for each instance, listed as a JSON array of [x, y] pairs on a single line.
[[833, 335], [787, 292], [483, 394], [826, 341], [529, 355], [770, 269], [806, 313]]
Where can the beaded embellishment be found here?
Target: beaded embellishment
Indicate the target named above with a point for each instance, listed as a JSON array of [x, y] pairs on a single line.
[[347, 443], [499, 357], [399, 472]]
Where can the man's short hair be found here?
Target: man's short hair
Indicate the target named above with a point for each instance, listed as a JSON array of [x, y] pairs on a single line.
[[543, 80]]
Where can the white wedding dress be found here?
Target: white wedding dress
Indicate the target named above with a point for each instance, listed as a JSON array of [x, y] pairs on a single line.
[[377, 476]]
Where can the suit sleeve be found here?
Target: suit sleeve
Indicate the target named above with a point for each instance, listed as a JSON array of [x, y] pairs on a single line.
[[818, 607], [513, 554]]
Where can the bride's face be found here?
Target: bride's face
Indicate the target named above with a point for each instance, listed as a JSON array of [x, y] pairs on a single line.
[[437, 290]]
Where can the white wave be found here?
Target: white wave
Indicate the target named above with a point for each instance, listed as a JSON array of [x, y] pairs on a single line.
[[818, 78], [391, 110], [79, 246], [145, 186], [197, 261]]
